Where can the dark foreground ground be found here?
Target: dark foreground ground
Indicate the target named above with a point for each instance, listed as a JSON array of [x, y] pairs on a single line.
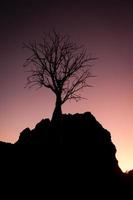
[[71, 159]]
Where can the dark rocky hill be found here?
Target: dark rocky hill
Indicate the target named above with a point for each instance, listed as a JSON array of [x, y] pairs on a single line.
[[77, 150]]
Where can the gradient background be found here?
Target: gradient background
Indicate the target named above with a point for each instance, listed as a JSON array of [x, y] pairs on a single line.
[[106, 29]]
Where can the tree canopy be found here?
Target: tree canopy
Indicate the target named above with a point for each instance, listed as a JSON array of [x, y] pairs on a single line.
[[60, 65]]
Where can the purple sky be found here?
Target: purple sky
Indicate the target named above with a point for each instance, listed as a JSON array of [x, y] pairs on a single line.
[[106, 30]]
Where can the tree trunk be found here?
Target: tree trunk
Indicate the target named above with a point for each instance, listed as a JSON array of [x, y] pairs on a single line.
[[57, 111]]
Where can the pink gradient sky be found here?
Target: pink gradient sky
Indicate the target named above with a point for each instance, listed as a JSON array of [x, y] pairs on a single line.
[[106, 30]]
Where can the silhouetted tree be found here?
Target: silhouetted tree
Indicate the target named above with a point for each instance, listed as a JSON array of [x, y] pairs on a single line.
[[60, 65]]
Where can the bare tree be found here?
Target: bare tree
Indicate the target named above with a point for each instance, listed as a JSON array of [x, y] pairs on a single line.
[[60, 65]]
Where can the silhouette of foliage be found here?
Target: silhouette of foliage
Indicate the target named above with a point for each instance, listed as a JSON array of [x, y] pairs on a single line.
[[60, 65]]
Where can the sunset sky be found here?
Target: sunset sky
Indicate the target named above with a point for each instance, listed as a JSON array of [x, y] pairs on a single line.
[[106, 30]]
